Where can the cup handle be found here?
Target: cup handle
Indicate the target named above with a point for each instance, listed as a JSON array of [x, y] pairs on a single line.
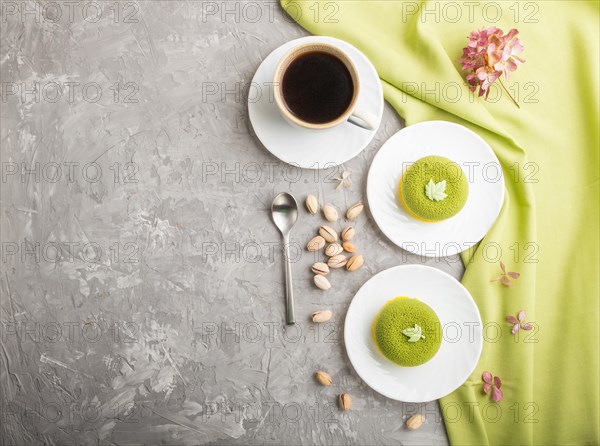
[[363, 119]]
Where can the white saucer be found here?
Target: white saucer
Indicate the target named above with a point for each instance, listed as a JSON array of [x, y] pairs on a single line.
[[462, 334], [479, 163], [307, 148]]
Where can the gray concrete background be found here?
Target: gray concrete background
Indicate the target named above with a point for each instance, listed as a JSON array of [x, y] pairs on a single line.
[[142, 283]]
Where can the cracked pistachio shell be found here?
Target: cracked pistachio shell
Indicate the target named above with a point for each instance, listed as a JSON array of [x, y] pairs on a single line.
[[321, 282], [320, 268], [354, 211], [324, 378], [415, 422], [349, 247], [316, 243], [348, 233], [338, 261], [312, 204], [330, 213], [333, 250], [355, 262], [345, 401], [328, 234], [321, 316]]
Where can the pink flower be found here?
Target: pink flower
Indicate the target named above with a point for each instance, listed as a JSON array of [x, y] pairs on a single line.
[[519, 322], [488, 54], [494, 383], [505, 277]]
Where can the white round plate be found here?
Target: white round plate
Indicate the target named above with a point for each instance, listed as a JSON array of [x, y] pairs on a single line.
[[312, 149], [462, 336], [480, 165]]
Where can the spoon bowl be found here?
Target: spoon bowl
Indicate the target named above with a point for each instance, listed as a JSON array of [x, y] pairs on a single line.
[[285, 212]]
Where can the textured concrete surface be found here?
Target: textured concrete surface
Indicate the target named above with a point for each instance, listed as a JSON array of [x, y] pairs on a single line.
[[142, 283]]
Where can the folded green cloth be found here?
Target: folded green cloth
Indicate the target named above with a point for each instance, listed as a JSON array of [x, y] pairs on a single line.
[[548, 229]]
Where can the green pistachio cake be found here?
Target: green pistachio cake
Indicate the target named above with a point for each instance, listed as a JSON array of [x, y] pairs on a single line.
[[433, 189], [407, 331]]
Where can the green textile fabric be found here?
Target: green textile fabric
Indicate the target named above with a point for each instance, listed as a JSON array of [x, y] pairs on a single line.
[[548, 229]]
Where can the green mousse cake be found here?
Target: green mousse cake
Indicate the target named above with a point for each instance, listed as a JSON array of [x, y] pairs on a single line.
[[433, 189], [407, 331]]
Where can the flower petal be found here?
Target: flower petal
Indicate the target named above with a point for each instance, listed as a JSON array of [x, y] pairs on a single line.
[[510, 66], [527, 326], [522, 315], [512, 33], [486, 388], [514, 275], [493, 76], [503, 266], [497, 382], [506, 281], [497, 394], [515, 329], [512, 319], [487, 377]]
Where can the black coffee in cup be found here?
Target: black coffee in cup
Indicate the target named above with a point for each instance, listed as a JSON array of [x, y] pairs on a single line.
[[317, 87]]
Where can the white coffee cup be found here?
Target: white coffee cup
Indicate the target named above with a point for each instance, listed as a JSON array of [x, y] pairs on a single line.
[[360, 118]]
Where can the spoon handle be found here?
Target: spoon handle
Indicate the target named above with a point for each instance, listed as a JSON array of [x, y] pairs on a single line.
[[289, 292]]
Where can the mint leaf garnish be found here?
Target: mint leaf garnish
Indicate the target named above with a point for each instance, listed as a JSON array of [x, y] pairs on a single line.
[[436, 191], [414, 333]]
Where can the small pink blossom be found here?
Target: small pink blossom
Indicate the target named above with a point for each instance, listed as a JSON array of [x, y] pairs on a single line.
[[505, 277], [494, 383], [519, 322], [489, 54]]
